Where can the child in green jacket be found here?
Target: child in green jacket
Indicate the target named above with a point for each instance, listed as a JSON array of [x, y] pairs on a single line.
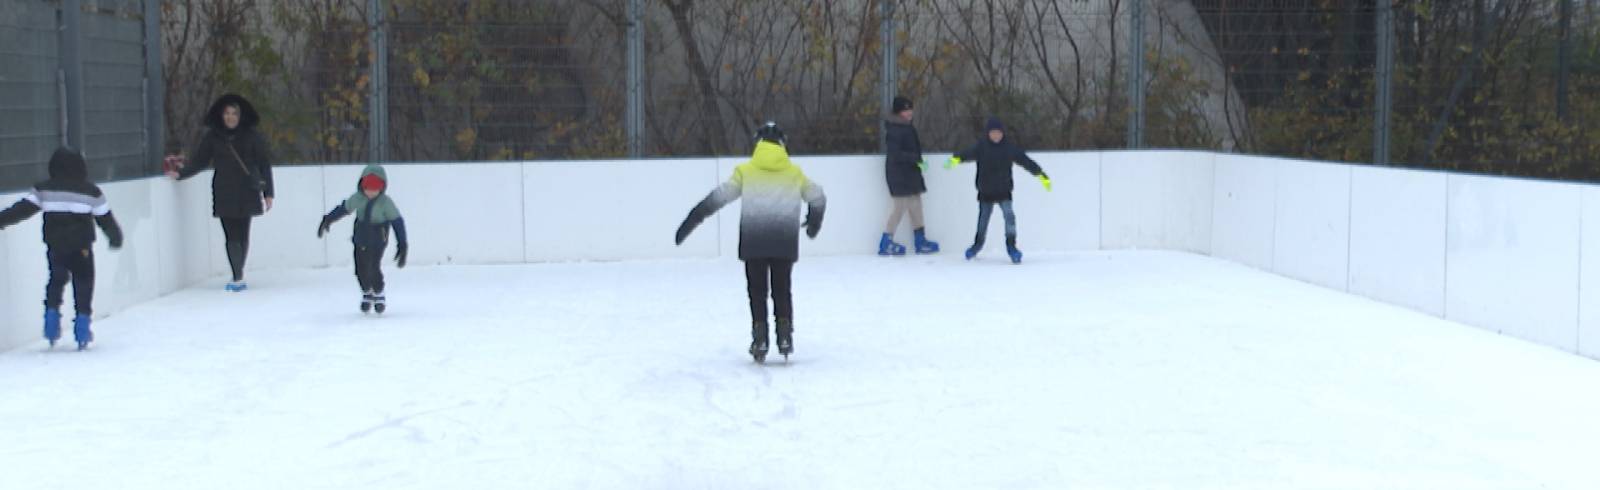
[[375, 215]]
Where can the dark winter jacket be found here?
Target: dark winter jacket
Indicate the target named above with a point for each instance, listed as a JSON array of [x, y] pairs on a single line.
[[72, 206], [994, 167], [241, 158], [773, 189], [902, 151], [374, 217]]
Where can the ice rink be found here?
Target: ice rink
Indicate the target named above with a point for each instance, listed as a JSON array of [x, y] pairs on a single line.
[[1072, 370]]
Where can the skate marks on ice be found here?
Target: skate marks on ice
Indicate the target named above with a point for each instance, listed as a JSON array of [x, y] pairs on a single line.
[[398, 423]]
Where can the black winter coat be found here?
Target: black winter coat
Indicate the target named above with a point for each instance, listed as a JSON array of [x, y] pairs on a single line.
[[240, 157], [994, 167], [903, 150], [72, 206]]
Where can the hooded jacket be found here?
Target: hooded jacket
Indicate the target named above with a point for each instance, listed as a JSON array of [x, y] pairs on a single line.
[[902, 151], [71, 204], [240, 156], [772, 188], [374, 217], [994, 167]]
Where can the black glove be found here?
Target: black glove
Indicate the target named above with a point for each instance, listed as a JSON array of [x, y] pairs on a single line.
[[322, 229], [116, 243], [683, 232], [400, 255], [811, 228]]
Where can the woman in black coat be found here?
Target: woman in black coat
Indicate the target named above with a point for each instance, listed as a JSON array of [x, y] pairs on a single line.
[[903, 166], [241, 186]]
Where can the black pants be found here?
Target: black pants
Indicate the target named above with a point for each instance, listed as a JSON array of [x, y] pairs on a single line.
[[369, 268], [236, 238], [757, 273], [76, 265]]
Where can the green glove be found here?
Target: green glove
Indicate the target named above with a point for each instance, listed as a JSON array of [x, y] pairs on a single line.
[[954, 160], [1045, 179], [922, 165]]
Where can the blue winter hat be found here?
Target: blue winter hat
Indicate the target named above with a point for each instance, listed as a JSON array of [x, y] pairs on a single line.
[[993, 124]]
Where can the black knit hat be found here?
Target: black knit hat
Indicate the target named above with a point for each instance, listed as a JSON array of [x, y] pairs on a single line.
[[770, 132], [900, 104]]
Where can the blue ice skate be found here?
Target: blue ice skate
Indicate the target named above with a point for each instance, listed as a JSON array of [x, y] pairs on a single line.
[[52, 325]]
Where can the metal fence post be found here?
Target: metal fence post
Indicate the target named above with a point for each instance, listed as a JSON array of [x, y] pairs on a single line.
[[155, 83], [378, 112], [635, 111], [1382, 82], [72, 74], [1563, 58], [891, 69], [1136, 74]]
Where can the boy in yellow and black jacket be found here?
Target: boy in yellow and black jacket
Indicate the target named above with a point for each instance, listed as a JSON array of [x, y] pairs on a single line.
[[772, 188]]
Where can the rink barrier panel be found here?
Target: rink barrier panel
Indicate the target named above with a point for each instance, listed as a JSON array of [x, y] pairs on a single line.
[[1514, 256]]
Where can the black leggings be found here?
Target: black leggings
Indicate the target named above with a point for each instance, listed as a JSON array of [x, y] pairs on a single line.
[[75, 266], [757, 273], [236, 237]]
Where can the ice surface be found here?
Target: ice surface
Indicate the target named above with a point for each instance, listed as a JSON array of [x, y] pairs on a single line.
[[1082, 370]]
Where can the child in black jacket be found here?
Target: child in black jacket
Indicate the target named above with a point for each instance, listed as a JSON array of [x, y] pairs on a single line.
[[72, 208], [995, 155]]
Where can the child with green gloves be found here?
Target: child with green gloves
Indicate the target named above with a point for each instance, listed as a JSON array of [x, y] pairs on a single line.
[[995, 156]]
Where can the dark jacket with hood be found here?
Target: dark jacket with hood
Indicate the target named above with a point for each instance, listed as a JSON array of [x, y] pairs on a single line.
[[374, 217], [994, 166], [240, 157], [72, 206], [902, 151]]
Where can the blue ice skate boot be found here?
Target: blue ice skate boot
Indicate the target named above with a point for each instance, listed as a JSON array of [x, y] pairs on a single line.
[[52, 325], [81, 332], [977, 246], [1011, 249], [924, 246], [887, 246]]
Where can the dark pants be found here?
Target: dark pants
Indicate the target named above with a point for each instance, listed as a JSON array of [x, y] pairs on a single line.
[[985, 210], [369, 268], [757, 274], [236, 238], [76, 265]]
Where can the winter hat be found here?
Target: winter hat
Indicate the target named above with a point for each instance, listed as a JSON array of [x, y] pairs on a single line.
[[371, 182], [770, 132], [993, 124], [900, 104]]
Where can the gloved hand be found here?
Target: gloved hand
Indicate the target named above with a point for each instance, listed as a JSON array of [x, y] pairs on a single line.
[[400, 255], [954, 160], [683, 233], [1045, 179], [922, 165], [811, 228], [322, 229], [116, 243]]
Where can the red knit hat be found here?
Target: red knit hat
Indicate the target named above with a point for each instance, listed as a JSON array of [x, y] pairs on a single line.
[[371, 182]]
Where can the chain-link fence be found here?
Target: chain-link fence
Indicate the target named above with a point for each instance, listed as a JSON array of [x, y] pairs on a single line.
[[74, 73], [1497, 86]]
